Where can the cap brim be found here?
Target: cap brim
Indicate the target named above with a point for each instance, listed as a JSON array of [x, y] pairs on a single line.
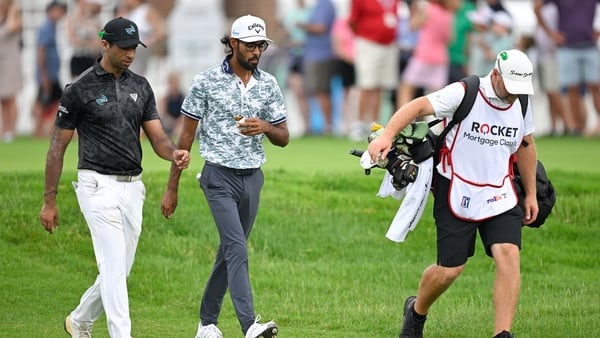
[[255, 38], [518, 87], [129, 43]]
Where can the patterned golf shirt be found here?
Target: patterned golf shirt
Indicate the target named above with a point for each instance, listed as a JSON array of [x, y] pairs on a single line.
[[215, 97]]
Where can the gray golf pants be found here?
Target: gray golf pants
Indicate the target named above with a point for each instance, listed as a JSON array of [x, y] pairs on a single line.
[[233, 198]]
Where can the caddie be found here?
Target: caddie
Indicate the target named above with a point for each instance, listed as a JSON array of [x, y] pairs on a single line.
[[473, 186]]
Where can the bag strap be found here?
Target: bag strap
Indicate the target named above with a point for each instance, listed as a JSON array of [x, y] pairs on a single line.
[[471, 84], [523, 100]]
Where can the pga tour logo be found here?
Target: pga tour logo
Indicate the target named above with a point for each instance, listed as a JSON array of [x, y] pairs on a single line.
[[465, 201]]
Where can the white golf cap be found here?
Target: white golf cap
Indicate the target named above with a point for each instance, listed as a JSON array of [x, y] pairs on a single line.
[[249, 28], [516, 70]]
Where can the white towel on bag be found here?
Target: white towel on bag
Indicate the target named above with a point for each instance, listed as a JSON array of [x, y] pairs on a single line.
[[413, 204], [386, 188]]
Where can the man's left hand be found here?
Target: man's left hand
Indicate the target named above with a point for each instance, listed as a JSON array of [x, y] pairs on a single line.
[[253, 126], [531, 209]]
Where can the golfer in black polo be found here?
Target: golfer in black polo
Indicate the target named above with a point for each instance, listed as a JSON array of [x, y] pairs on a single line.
[[108, 105]]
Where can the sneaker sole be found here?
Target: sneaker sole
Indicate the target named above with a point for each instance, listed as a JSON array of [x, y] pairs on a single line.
[[67, 326], [270, 332]]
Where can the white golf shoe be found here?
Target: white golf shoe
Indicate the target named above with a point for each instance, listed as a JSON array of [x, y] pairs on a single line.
[[77, 330], [266, 330], [208, 331]]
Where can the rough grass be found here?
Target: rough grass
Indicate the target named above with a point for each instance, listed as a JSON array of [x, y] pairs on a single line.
[[320, 264]]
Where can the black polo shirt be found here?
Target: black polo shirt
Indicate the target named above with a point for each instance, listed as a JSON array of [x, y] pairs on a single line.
[[107, 113]]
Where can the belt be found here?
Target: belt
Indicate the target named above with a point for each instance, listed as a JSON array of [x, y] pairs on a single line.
[[238, 172], [118, 178], [125, 178]]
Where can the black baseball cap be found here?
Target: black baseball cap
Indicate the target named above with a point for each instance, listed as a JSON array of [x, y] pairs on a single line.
[[122, 32]]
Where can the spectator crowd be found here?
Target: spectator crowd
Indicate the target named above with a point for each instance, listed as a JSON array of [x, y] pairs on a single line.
[[399, 50], [345, 62]]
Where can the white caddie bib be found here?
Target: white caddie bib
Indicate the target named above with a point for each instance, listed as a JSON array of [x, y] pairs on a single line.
[[480, 161], [476, 203]]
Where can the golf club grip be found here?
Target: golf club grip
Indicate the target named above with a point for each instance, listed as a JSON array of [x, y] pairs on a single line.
[[356, 152]]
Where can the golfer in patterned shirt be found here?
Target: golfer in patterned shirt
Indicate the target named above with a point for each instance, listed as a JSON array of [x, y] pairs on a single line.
[[238, 105]]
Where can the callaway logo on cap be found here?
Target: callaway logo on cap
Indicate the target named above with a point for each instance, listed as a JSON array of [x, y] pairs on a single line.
[[122, 32], [249, 29], [516, 70]]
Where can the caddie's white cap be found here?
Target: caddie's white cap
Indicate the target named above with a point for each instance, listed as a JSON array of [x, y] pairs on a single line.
[[249, 28], [516, 70]]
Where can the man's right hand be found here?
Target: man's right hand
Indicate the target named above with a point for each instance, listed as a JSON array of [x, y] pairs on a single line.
[[379, 148], [168, 203], [49, 217]]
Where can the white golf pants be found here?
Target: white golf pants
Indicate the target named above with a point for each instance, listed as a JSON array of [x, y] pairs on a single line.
[[113, 212]]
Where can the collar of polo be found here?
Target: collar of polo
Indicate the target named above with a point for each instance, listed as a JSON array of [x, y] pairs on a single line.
[[226, 67]]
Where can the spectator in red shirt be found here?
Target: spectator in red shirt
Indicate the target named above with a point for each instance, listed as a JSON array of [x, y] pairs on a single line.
[[375, 24]]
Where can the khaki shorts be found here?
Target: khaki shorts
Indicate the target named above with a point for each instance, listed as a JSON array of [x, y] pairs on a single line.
[[376, 65], [548, 75]]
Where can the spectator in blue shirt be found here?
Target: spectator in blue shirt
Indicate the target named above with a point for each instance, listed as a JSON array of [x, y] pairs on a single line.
[[48, 70], [319, 59]]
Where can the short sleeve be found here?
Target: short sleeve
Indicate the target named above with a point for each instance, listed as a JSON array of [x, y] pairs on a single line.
[[193, 102], [528, 120], [68, 109], [276, 110], [446, 100]]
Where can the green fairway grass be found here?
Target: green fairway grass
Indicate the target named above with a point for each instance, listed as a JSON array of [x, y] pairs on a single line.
[[306, 154], [319, 260]]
